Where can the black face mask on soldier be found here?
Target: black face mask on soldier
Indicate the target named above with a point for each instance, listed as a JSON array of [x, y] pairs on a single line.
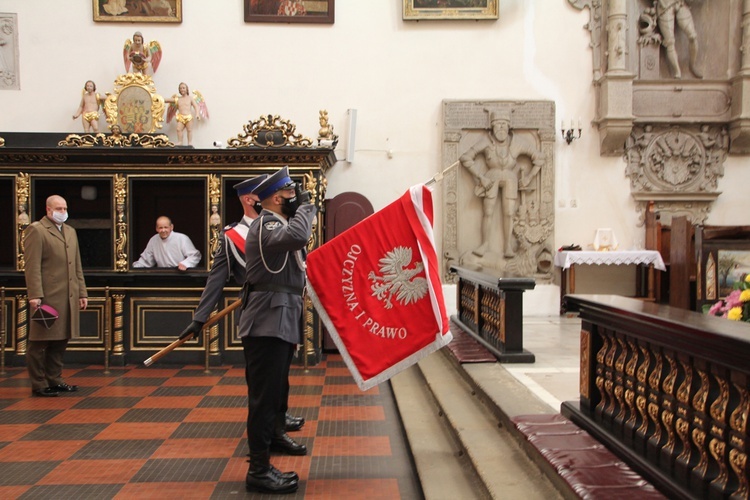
[[257, 207], [290, 206]]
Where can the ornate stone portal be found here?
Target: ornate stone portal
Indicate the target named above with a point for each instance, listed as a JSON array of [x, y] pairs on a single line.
[[499, 199], [672, 82]]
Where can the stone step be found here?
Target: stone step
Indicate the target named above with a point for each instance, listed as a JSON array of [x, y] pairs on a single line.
[[450, 422]]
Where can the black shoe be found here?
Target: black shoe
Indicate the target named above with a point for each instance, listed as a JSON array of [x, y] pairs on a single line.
[[284, 444], [64, 388], [47, 392], [285, 475], [292, 423], [268, 481]]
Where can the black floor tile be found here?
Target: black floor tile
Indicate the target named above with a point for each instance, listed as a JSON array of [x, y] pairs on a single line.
[[19, 473], [64, 432], [27, 416], [202, 430], [117, 449], [72, 492], [181, 470], [223, 402], [181, 391], [155, 415], [105, 402]]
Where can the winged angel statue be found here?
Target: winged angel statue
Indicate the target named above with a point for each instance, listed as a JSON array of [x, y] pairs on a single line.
[[140, 54], [182, 106], [397, 279]]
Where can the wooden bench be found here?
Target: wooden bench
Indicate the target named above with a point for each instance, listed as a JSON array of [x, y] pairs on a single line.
[[580, 463]]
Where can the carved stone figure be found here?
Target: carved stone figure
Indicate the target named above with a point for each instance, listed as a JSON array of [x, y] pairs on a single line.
[[499, 178], [669, 12]]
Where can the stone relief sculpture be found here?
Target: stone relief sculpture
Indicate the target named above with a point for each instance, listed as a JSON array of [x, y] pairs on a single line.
[[665, 161], [674, 135], [665, 14], [504, 190], [9, 79], [499, 178]]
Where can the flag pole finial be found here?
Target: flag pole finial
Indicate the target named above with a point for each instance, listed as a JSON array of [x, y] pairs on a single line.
[[439, 176]]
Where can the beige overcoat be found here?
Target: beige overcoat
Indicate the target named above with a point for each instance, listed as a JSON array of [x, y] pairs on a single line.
[[54, 274]]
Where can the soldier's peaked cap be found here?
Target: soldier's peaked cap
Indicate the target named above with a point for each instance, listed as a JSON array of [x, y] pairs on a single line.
[[274, 182], [247, 186]]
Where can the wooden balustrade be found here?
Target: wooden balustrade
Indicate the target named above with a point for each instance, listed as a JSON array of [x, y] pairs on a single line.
[[668, 390], [490, 309]]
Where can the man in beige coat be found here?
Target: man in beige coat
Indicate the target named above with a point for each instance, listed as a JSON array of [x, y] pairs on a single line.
[[54, 276]]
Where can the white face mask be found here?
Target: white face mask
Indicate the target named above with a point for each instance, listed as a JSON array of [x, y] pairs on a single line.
[[59, 217]]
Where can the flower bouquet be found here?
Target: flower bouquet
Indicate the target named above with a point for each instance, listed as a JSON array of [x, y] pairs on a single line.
[[736, 305]]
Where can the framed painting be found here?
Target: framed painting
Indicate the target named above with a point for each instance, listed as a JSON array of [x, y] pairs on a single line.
[[138, 11], [415, 10], [289, 11]]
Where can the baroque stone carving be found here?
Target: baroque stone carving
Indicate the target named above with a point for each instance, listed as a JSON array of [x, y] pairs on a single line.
[[9, 74], [672, 95], [502, 188], [676, 164]]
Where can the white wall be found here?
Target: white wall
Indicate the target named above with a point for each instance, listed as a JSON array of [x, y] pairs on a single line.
[[395, 73]]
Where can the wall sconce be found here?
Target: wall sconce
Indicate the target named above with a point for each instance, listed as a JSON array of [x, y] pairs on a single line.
[[568, 134]]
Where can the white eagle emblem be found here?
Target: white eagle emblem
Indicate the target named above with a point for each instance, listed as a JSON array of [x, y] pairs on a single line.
[[397, 279]]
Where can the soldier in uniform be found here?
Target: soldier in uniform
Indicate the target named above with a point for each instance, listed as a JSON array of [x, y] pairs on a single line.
[[270, 325], [229, 263]]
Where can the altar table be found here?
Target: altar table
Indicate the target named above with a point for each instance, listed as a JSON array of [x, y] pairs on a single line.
[[567, 260]]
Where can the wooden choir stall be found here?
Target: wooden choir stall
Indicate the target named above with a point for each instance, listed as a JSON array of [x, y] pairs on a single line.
[[116, 186]]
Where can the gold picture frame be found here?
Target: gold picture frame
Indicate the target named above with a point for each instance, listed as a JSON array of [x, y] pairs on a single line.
[[134, 106], [138, 11], [289, 11], [416, 10]]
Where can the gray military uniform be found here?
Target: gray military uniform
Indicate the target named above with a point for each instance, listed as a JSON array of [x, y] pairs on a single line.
[[273, 313]]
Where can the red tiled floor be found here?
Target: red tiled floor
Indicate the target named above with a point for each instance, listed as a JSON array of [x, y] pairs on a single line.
[[169, 402], [166, 491], [152, 372], [30, 451], [12, 432], [43, 403], [352, 445], [348, 389], [304, 401], [228, 390], [127, 430], [217, 415], [196, 448], [13, 491], [306, 380], [93, 472], [191, 381], [190, 440], [353, 489], [124, 391], [102, 416], [352, 413]]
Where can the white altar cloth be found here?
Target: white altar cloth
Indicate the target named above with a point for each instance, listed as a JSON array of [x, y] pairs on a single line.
[[566, 259]]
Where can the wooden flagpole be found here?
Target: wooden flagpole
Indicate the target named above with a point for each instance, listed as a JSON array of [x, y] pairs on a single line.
[[179, 342]]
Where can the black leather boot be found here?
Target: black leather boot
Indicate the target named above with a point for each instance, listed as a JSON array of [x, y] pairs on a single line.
[[284, 444], [263, 477], [292, 423], [281, 442]]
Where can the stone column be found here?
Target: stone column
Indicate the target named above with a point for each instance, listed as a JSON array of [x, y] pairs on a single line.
[[617, 28]]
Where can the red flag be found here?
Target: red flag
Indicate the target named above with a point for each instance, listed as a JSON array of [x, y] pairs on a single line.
[[377, 289]]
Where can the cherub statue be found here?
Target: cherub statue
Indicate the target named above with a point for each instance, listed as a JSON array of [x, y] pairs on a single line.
[[88, 110], [181, 107], [139, 54]]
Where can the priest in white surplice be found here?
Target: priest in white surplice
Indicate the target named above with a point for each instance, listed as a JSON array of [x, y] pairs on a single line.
[[168, 248]]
